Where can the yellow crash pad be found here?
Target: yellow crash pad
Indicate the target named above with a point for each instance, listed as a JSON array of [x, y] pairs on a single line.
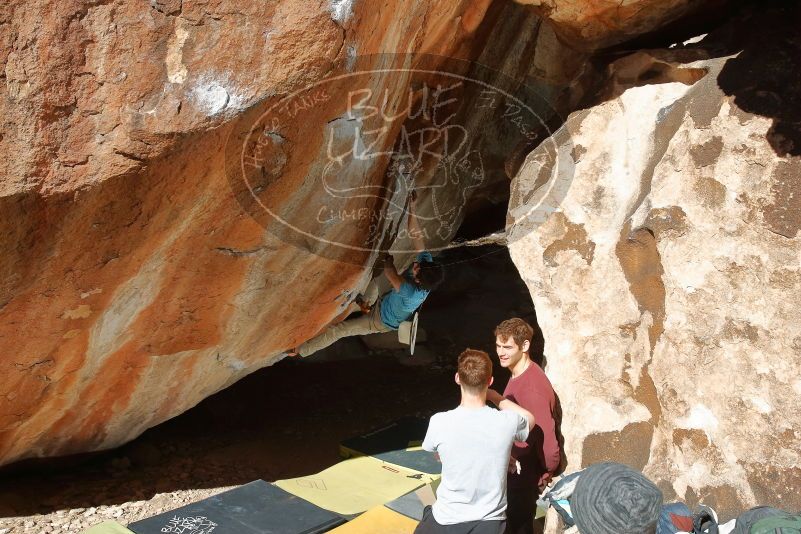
[[379, 519], [108, 527], [355, 485]]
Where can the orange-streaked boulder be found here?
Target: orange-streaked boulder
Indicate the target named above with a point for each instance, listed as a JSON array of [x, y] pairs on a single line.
[[135, 280]]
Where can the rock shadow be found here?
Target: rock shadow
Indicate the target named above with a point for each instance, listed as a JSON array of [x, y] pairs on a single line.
[[765, 77]]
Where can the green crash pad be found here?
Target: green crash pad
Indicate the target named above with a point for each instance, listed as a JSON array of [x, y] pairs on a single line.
[[355, 485], [398, 443], [108, 527], [255, 508]]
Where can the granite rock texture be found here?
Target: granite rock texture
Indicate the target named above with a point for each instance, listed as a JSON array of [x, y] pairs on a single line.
[[664, 261]]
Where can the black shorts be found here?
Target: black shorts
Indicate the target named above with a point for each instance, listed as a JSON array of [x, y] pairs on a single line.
[[429, 525]]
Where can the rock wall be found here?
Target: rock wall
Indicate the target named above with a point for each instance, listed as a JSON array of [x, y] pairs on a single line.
[[659, 237], [133, 283], [161, 233], [162, 236], [594, 24]]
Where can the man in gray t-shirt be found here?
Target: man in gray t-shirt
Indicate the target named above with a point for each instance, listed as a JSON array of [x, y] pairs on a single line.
[[473, 442]]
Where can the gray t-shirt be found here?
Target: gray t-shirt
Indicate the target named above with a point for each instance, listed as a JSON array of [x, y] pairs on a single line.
[[474, 446]]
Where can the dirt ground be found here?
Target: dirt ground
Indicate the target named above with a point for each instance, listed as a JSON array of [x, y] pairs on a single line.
[[280, 422]]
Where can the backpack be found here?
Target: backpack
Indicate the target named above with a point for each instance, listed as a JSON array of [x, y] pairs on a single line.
[[705, 521], [756, 520], [677, 517], [783, 524], [674, 518], [559, 498]]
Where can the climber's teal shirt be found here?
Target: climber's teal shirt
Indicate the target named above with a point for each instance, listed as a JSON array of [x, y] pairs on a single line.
[[398, 306]]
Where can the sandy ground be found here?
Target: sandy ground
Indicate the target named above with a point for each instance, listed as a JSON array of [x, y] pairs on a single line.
[[283, 421]]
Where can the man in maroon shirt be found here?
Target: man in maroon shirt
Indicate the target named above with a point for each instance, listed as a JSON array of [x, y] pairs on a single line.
[[535, 461]]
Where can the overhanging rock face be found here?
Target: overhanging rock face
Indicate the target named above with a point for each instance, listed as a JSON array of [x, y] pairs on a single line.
[[663, 261], [133, 283], [594, 24], [135, 277]]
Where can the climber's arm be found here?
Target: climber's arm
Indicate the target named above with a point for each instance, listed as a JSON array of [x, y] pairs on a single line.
[[392, 273], [415, 232]]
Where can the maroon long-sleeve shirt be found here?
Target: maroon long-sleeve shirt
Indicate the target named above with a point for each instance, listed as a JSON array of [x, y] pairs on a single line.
[[539, 456]]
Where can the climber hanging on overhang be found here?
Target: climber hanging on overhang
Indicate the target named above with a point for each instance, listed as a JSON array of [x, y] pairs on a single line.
[[385, 312]]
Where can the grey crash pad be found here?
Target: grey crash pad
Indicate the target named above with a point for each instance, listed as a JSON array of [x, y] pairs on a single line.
[[397, 443], [255, 508], [413, 503]]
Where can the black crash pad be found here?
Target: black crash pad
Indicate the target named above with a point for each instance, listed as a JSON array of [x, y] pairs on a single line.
[[255, 508], [391, 444]]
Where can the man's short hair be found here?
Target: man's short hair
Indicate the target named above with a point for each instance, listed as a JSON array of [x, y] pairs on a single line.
[[475, 370], [431, 275], [515, 328]]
